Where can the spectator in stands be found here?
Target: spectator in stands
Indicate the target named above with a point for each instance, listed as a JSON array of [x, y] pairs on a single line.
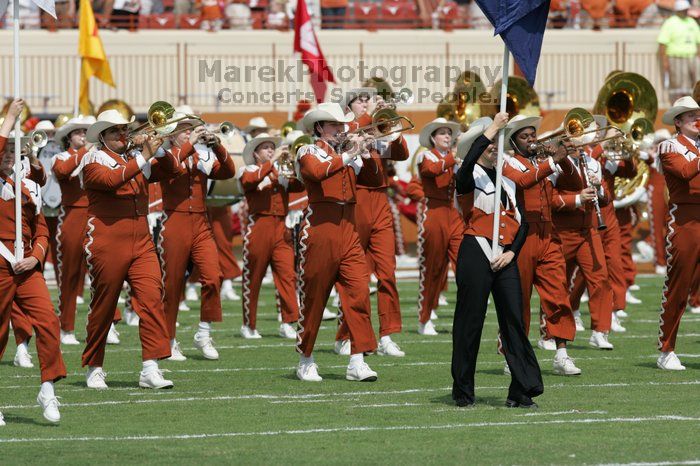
[[678, 49], [596, 9], [276, 16], [238, 15], [333, 13], [211, 13], [122, 14], [182, 7], [151, 7], [628, 12], [65, 15], [29, 16]]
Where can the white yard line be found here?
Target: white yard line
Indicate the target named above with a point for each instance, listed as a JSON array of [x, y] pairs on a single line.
[[331, 430]]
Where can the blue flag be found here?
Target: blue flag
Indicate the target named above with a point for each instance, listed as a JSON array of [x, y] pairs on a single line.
[[521, 25]]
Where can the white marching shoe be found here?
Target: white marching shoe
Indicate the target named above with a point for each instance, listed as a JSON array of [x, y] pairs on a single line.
[[660, 270], [427, 328], [360, 372], [131, 318], [183, 306], [22, 357], [621, 314], [506, 369], [669, 362], [578, 321], [227, 291], [154, 379], [95, 378], [442, 300], [68, 338], [175, 352], [191, 293], [342, 347], [308, 372], [205, 344], [2, 420], [49, 404], [695, 310], [79, 300], [616, 325], [600, 340], [433, 315], [250, 334], [565, 366], [547, 345], [328, 315], [585, 297], [631, 299], [287, 331], [113, 335], [390, 348]]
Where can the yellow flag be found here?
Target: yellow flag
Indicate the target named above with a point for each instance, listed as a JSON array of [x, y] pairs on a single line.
[[94, 60]]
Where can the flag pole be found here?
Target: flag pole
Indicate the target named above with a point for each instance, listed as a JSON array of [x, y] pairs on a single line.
[[19, 246], [499, 162], [291, 85]]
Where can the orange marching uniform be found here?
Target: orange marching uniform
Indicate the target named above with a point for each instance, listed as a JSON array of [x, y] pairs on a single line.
[[186, 235], [220, 220], [267, 241], [582, 246], [374, 222], [440, 227], [680, 162], [658, 214]]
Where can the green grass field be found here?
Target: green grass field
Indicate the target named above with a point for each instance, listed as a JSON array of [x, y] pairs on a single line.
[[249, 408]]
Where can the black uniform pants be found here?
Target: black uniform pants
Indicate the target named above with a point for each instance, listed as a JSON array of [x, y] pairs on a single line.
[[475, 281]]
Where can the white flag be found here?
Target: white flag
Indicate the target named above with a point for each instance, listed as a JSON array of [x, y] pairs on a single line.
[[48, 6]]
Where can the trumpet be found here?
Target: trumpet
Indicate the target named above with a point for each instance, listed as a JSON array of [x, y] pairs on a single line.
[[640, 136], [288, 157], [226, 128], [580, 129], [34, 141], [403, 97]]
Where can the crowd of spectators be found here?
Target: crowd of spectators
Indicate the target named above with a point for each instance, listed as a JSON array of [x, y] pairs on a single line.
[[213, 15]]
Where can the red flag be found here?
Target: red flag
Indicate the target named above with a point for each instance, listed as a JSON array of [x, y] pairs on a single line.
[[305, 42]]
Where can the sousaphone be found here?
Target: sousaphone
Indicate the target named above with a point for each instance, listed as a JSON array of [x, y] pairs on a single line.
[[521, 99]]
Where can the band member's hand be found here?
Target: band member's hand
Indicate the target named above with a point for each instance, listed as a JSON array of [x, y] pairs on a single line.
[[367, 144], [588, 194], [196, 134], [565, 148], [25, 265], [279, 153], [16, 108], [354, 142], [593, 178], [500, 120], [502, 260], [139, 140], [151, 146]]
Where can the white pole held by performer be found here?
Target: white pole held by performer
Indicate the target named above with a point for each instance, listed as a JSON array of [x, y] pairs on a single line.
[[499, 162], [19, 246]]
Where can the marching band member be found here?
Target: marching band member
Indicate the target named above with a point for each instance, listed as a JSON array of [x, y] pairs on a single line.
[[658, 207], [185, 235], [541, 262], [680, 163], [479, 274], [220, 221], [374, 223], [256, 125], [440, 225], [580, 241], [116, 181], [22, 282], [267, 184], [330, 249], [627, 219], [72, 223]]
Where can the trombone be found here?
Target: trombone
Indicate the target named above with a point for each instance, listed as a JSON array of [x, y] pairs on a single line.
[[162, 121], [386, 123], [579, 127], [640, 136]]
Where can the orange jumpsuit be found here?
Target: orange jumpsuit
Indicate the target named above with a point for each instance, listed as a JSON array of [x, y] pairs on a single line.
[[374, 222], [185, 235], [541, 261], [440, 228], [610, 237], [220, 221], [680, 162], [658, 214], [581, 243], [626, 218], [119, 247], [330, 249], [72, 220], [28, 290], [267, 241]]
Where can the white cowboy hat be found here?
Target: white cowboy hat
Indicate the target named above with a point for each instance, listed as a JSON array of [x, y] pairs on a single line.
[[45, 125], [184, 121], [519, 122], [681, 5], [70, 126], [256, 123], [291, 137], [425, 134], [475, 130], [680, 106], [106, 120], [186, 109], [253, 144], [326, 111], [353, 94], [661, 135], [601, 121]]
